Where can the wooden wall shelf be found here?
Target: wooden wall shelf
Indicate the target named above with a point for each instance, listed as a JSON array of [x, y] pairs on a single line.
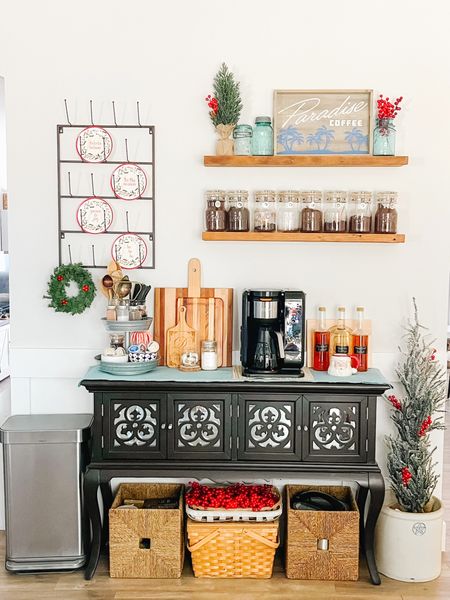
[[309, 160], [256, 236]]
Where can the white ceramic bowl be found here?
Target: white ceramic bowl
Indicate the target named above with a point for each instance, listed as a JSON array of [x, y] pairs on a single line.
[[114, 359]]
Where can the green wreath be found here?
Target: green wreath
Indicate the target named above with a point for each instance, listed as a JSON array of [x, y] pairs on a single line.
[[57, 289]]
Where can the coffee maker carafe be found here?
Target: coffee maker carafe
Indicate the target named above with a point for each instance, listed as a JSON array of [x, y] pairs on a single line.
[[272, 332]]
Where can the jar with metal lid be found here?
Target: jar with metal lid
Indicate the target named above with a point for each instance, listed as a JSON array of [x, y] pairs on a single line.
[[311, 218], [209, 355], [123, 311], [116, 340], [360, 212], [288, 213], [265, 217], [335, 212], [386, 213], [262, 140], [215, 213], [242, 136], [238, 213]]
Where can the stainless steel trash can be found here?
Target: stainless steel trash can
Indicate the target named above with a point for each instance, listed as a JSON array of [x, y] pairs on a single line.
[[44, 457]]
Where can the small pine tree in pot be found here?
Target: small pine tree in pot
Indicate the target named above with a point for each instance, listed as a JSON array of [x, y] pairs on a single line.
[[226, 106], [409, 531]]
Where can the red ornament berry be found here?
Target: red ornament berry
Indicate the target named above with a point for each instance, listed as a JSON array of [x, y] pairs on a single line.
[[59, 277], [85, 288], [406, 476], [64, 301]]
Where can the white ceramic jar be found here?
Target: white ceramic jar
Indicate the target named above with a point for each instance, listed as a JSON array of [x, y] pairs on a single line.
[[209, 355]]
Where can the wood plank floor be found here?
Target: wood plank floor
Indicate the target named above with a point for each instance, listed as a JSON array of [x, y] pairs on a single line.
[[72, 586]]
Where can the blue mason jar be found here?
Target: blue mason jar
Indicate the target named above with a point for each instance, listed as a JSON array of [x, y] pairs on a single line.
[[262, 141], [242, 135], [384, 138]]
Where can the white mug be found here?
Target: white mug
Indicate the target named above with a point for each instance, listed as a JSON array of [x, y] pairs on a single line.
[[343, 365]]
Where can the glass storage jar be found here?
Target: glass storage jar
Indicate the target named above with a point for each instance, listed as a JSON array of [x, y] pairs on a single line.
[[215, 213], [360, 212], [116, 340], [335, 212], [242, 136], [311, 211], [386, 213], [262, 141], [265, 216], [238, 213], [288, 213]]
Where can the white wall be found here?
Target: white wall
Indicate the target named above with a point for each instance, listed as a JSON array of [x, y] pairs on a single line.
[[165, 55]]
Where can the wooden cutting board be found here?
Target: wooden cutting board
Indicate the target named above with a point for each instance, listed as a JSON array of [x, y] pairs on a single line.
[[180, 338], [168, 300]]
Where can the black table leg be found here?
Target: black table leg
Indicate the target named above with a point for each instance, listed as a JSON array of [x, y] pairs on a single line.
[[361, 501], [91, 485], [107, 501], [376, 488]]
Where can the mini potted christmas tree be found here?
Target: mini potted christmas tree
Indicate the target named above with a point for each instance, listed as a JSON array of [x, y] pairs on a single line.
[[225, 107], [409, 531]]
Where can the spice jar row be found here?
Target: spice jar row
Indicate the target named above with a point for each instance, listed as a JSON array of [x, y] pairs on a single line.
[[307, 211]]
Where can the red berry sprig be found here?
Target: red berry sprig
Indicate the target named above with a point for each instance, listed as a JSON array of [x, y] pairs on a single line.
[[213, 104], [395, 402], [85, 288], [406, 476], [64, 301], [433, 354], [234, 496], [426, 424], [60, 278], [387, 109]]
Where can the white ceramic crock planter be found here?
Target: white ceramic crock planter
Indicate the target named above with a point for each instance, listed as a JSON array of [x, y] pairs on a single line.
[[408, 545]]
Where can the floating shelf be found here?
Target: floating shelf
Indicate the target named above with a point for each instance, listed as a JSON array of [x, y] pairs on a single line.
[[306, 160], [256, 236]]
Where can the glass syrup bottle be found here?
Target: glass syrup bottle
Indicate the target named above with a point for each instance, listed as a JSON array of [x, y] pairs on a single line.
[[360, 339], [321, 360], [340, 335]]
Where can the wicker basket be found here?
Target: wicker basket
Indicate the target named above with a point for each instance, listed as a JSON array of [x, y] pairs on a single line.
[[232, 549], [322, 544], [146, 542]]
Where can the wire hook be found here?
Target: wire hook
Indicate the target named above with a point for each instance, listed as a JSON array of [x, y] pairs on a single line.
[[70, 253], [126, 149], [70, 185], [114, 113], [92, 117], [93, 255], [67, 111], [92, 184], [138, 114]]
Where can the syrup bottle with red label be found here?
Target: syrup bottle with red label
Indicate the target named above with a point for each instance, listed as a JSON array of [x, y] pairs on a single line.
[[321, 360], [360, 341]]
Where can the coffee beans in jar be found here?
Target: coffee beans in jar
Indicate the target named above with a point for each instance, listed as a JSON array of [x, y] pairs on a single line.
[[238, 213], [386, 213], [360, 212], [311, 216], [288, 212], [215, 213], [335, 212], [265, 211]]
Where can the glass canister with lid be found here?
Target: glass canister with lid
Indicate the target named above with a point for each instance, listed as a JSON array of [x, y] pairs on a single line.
[[311, 218], [360, 211], [288, 213], [262, 141], [238, 213], [242, 136], [386, 213], [215, 213], [265, 215], [335, 212]]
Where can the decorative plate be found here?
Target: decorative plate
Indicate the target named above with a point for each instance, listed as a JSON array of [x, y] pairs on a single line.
[[128, 181], [94, 144], [94, 215], [129, 251]]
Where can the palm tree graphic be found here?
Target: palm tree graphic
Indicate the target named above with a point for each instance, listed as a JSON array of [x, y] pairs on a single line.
[[290, 136], [355, 138], [324, 136]]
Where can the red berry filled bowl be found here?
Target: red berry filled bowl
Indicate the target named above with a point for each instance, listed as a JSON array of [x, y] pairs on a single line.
[[236, 496]]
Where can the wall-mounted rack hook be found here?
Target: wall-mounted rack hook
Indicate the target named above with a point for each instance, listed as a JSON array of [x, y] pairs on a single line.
[[114, 112], [92, 184], [93, 254], [138, 114], [91, 111], [70, 253], [70, 185], [128, 224], [67, 112], [126, 149]]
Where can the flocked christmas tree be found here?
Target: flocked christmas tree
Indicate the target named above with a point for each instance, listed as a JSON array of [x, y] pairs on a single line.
[[410, 459], [226, 106]]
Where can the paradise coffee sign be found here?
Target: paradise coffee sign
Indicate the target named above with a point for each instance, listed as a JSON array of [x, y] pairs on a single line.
[[322, 121]]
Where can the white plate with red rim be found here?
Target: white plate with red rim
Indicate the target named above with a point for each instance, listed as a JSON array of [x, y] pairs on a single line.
[[94, 215], [128, 181], [94, 144], [129, 251]]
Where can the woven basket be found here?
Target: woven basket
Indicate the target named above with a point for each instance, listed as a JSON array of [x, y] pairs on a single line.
[[146, 542], [322, 544], [232, 549]]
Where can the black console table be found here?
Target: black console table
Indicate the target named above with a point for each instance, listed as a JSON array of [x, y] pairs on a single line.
[[215, 429]]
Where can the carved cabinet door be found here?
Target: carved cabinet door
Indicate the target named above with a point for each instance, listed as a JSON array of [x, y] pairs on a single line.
[[199, 426], [335, 429], [269, 427], [134, 425]]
